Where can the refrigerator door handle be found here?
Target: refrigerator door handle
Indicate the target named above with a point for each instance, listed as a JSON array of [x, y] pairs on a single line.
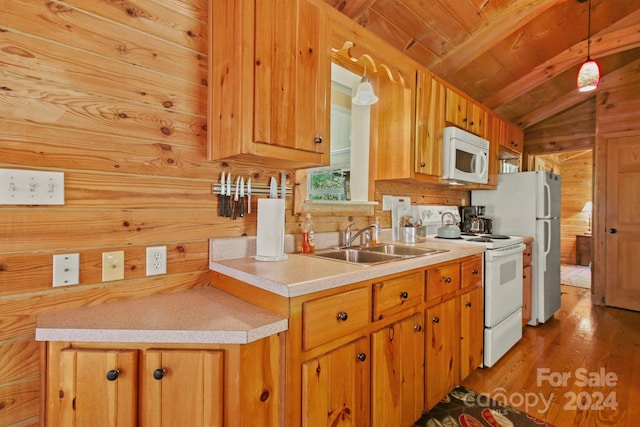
[[547, 201], [547, 242]]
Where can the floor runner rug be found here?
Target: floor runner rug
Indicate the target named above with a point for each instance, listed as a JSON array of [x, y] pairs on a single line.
[[465, 408]]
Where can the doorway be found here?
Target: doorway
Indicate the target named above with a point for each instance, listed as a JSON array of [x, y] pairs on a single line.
[[576, 218]]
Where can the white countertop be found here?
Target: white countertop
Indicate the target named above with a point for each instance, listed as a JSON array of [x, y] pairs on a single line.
[[303, 274], [195, 316]]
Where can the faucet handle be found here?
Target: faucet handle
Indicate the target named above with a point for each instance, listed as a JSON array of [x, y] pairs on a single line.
[[347, 234]]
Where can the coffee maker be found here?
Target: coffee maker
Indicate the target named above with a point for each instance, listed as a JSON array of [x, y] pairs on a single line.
[[472, 220]]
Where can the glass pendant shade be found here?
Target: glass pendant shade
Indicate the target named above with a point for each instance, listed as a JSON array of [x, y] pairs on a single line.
[[588, 76], [364, 93]]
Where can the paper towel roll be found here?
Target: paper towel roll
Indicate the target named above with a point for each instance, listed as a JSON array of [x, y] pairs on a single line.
[[270, 234]]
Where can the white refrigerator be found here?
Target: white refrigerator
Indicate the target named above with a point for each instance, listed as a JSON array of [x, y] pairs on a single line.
[[528, 204]]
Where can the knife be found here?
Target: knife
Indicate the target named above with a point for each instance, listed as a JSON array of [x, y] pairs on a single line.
[[249, 196], [241, 196], [228, 197], [222, 196], [235, 199]]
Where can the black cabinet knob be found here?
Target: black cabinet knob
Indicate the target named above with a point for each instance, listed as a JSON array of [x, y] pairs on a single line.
[[436, 319], [468, 304], [613, 230], [417, 328], [317, 140], [159, 373], [475, 271], [112, 375], [447, 280], [343, 316], [361, 357], [422, 164], [404, 294]]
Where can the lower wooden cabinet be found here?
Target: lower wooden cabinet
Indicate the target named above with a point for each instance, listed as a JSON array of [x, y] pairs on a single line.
[[397, 373], [471, 331], [100, 387], [94, 384], [335, 387], [442, 351]]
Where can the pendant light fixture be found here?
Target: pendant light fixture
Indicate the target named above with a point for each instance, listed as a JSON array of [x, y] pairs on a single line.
[[589, 74], [364, 93]]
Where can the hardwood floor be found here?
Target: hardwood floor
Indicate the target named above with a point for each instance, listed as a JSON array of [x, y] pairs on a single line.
[[582, 368]]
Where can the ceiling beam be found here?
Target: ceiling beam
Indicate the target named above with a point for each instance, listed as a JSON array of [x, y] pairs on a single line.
[[516, 15], [603, 44], [623, 76]]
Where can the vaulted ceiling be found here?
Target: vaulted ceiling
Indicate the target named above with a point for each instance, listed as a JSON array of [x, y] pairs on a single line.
[[518, 57]]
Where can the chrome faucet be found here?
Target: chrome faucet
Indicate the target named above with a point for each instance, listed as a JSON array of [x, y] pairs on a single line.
[[348, 238]]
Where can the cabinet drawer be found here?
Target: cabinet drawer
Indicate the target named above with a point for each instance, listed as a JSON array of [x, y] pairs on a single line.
[[394, 295], [526, 255], [472, 272], [328, 318], [443, 280]]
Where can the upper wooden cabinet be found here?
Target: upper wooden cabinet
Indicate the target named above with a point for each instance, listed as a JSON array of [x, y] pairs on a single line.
[[508, 135], [269, 82], [430, 99], [465, 113]]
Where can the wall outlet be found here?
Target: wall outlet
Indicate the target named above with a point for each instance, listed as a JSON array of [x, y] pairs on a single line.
[[156, 260], [66, 269], [112, 266]]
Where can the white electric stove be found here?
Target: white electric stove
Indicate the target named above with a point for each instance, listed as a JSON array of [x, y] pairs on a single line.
[[502, 280]]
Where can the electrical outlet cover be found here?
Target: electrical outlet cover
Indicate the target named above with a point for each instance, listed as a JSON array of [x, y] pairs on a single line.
[[66, 269], [156, 260], [112, 266]]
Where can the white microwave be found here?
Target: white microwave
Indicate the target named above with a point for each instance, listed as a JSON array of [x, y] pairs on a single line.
[[465, 156]]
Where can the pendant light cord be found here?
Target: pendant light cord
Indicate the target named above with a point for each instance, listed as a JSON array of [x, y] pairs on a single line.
[[589, 32]]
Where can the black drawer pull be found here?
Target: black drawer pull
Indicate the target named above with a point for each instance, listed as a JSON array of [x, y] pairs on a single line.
[[159, 373], [343, 316], [112, 375], [404, 294], [447, 280]]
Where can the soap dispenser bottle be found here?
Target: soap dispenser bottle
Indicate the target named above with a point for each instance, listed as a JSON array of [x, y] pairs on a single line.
[[308, 237], [375, 236]]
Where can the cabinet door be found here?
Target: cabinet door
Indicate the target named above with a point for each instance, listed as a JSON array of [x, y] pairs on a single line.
[[97, 387], [335, 387], [471, 331], [182, 387], [292, 75], [442, 351], [456, 109], [476, 119], [397, 374], [430, 100]]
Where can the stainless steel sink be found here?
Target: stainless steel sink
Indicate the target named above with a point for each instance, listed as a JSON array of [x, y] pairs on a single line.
[[404, 251], [357, 256], [376, 254]]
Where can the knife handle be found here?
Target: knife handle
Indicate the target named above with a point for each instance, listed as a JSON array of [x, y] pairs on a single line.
[[235, 209], [228, 206], [222, 200], [241, 207]]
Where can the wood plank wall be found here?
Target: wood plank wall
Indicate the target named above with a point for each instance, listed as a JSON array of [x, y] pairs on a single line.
[[114, 95]]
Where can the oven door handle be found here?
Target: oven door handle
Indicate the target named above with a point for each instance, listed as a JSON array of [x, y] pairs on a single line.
[[499, 253]]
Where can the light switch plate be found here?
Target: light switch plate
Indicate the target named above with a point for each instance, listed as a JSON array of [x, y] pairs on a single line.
[[66, 269], [27, 187], [112, 266]]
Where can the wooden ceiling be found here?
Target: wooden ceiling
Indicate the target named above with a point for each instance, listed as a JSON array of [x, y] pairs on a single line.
[[518, 57]]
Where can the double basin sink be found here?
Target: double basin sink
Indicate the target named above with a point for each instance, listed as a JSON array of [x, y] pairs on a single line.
[[378, 254]]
